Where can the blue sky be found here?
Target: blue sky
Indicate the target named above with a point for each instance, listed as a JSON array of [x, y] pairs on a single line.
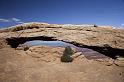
[[99, 12]]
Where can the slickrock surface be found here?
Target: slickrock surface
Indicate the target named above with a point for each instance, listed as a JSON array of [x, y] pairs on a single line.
[[87, 35], [42, 63]]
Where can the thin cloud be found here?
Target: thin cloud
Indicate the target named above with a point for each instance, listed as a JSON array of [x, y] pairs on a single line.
[[4, 20], [20, 22], [122, 24], [16, 19]]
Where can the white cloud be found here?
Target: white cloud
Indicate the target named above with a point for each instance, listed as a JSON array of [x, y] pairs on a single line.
[[4, 20], [16, 19]]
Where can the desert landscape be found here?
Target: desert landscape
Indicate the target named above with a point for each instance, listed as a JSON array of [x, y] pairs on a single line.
[[97, 53]]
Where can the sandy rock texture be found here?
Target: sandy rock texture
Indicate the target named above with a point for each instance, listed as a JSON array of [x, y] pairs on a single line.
[[42, 63], [87, 35]]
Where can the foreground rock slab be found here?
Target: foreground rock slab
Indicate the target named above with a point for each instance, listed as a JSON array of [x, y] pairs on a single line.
[[42, 63]]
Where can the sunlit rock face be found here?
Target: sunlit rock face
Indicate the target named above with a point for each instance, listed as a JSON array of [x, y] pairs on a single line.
[[82, 34], [99, 57]]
